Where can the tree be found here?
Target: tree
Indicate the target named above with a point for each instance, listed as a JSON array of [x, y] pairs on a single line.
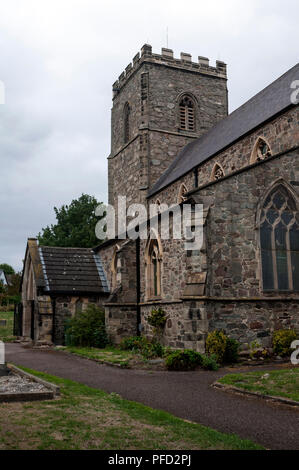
[[7, 269], [75, 225]]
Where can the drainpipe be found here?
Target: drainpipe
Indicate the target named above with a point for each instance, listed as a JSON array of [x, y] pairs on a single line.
[[138, 326], [195, 177]]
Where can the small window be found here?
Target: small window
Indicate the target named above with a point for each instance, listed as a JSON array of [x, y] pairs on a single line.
[[279, 241], [182, 193], [127, 112], [217, 172], [261, 151], [187, 114]]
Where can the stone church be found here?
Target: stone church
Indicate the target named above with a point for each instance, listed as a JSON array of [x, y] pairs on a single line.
[[173, 142]]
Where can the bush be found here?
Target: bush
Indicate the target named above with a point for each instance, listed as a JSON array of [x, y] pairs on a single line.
[[216, 344], [140, 344], [183, 360], [231, 354], [157, 318], [225, 349], [209, 362], [282, 340], [87, 328]]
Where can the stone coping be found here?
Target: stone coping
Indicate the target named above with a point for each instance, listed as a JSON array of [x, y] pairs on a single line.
[[52, 392], [232, 388]]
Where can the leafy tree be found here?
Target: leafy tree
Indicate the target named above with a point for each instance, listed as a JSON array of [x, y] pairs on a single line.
[[75, 225], [7, 269]]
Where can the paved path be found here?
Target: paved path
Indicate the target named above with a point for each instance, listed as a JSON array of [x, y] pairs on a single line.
[[184, 394]]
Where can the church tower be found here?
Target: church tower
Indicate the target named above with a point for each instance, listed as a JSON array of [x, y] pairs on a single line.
[[160, 104]]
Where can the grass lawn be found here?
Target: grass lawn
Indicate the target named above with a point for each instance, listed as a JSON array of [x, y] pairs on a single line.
[[110, 354], [6, 332], [280, 383], [85, 418]]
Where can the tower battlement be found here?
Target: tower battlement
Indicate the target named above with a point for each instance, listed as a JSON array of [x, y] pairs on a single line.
[[167, 58]]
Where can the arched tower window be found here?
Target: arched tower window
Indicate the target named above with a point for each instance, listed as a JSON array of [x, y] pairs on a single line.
[[182, 193], [127, 111], [153, 268], [279, 241], [187, 114], [217, 172], [261, 151]]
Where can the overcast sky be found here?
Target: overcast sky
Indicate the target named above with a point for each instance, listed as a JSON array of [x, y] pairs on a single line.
[[59, 59]]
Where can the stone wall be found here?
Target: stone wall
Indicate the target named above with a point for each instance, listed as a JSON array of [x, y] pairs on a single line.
[[153, 87], [282, 133]]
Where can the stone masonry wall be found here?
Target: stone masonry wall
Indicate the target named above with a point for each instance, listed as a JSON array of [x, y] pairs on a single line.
[[282, 133], [155, 137]]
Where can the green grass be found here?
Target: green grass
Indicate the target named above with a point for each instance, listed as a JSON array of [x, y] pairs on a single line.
[[85, 418], [281, 383], [6, 332], [109, 354]]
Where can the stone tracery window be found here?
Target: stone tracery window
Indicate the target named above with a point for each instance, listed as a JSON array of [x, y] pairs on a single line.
[[217, 172], [182, 193], [187, 114], [127, 111], [261, 151], [153, 268], [279, 241]]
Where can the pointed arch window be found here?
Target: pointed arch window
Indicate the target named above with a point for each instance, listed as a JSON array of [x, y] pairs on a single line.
[[127, 111], [153, 268], [261, 151], [217, 172], [182, 193], [187, 114], [114, 268], [279, 241]]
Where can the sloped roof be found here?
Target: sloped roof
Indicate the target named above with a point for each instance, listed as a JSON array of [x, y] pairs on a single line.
[[271, 101], [71, 270]]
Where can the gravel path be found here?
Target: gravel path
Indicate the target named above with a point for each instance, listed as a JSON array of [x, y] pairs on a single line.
[[188, 395], [18, 384]]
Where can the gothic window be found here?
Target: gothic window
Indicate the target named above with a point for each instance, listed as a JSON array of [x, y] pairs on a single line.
[[158, 205], [279, 241], [127, 111], [217, 172], [114, 269], [153, 267], [187, 114], [182, 193], [261, 151]]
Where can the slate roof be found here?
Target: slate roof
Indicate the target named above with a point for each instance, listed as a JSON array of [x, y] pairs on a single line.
[[70, 270], [265, 105]]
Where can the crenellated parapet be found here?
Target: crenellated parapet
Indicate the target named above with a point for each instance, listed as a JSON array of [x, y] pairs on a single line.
[[166, 58]]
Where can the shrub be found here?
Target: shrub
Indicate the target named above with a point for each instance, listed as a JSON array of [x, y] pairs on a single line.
[[216, 344], [231, 354], [282, 340], [225, 349], [209, 362], [140, 344], [183, 360], [157, 318], [87, 328]]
